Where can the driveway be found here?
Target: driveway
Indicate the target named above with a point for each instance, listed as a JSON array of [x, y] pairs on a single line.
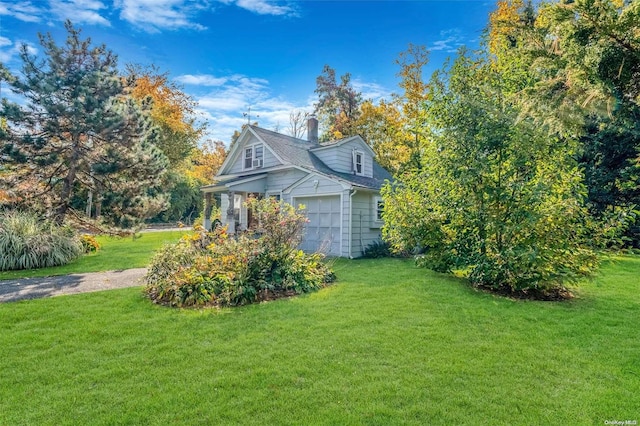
[[33, 288]]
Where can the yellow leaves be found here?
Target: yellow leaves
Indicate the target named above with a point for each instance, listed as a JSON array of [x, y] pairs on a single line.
[[170, 106], [205, 161], [4, 196], [502, 24]]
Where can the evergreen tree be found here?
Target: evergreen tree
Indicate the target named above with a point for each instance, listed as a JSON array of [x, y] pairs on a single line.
[[79, 133]]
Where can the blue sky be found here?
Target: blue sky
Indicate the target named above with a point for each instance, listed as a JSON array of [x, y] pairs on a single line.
[[234, 54]]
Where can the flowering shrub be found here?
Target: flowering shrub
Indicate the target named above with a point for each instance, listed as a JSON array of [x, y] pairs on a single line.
[[89, 243], [213, 268]]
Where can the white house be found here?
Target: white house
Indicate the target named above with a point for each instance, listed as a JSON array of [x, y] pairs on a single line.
[[338, 183]]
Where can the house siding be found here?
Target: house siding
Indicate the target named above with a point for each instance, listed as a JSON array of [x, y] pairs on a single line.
[[363, 233], [324, 186], [346, 222], [269, 160], [278, 181], [340, 158]]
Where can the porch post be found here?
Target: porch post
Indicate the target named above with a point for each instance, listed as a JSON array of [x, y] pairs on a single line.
[[231, 222], [207, 211]]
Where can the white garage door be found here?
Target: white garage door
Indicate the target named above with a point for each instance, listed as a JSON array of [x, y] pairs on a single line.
[[323, 230]]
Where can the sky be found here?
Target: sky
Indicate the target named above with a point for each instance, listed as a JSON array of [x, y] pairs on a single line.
[[254, 57]]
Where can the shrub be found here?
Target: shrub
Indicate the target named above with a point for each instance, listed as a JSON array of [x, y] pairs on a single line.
[[377, 249], [27, 242], [89, 243], [212, 268]]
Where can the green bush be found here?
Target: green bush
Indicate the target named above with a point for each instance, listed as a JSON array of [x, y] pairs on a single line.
[[28, 241], [377, 249], [212, 268]]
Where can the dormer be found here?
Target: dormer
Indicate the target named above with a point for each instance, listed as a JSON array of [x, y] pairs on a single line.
[[351, 155]]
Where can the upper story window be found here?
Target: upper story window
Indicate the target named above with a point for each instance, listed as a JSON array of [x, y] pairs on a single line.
[[253, 157], [358, 163]]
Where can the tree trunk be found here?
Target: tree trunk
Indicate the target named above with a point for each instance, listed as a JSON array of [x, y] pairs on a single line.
[[68, 183]]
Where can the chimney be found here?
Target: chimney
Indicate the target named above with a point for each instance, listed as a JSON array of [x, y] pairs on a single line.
[[312, 129]]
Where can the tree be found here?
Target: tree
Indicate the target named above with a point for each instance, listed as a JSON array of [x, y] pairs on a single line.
[[412, 100], [395, 129], [298, 123], [495, 195], [599, 44], [205, 160], [79, 131], [574, 67], [338, 105], [383, 127], [171, 110]]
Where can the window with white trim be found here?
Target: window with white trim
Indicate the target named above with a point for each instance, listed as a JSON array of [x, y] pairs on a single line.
[[378, 208], [358, 163], [253, 156]]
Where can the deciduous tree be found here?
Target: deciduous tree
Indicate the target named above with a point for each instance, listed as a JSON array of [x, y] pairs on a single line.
[[495, 195], [338, 105], [171, 110]]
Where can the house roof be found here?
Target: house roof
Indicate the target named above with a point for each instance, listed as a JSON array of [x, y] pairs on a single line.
[[226, 182], [299, 152]]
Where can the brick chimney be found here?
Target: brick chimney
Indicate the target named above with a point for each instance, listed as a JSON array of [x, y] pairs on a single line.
[[312, 129]]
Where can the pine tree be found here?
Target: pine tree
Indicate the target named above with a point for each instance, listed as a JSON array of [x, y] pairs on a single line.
[[78, 133]]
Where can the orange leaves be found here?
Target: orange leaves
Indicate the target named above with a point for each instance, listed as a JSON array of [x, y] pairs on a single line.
[[206, 160], [171, 106]]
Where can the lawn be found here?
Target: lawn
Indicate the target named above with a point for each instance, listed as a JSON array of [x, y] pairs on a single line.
[[387, 344], [116, 253]]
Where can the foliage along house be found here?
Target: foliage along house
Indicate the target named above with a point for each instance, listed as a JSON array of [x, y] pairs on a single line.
[[338, 183]]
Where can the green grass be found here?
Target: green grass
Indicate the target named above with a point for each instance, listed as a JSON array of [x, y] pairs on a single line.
[[387, 344], [115, 254]]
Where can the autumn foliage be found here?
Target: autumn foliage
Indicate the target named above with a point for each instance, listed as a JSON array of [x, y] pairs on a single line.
[[216, 269]]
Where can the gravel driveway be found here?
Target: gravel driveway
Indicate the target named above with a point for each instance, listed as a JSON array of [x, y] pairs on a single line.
[[33, 288]]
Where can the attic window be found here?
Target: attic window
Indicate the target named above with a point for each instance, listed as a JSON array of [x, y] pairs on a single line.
[[358, 160], [253, 157]]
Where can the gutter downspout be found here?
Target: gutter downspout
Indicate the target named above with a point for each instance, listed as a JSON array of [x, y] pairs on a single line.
[[353, 192]]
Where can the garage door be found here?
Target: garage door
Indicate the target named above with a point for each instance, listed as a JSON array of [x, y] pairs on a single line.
[[322, 233]]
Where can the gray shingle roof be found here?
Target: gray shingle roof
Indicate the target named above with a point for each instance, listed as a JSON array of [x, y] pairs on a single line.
[[297, 152]]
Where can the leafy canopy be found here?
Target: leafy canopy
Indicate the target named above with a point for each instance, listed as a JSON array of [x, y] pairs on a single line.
[[495, 195]]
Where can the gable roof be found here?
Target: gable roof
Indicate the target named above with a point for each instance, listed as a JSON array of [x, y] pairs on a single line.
[[299, 152], [340, 142]]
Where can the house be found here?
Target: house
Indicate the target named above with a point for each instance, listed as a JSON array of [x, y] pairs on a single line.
[[338, 183]]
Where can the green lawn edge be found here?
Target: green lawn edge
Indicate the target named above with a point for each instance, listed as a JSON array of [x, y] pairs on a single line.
[[116, 253], [387, 344]]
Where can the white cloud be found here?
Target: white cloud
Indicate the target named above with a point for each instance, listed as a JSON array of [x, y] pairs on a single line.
[[149, 15], [201, 80], [23, 11], [79, 11], [9, 49], [265, 7], [451, 41], [155, 15], [223, 101], [373, 91]]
